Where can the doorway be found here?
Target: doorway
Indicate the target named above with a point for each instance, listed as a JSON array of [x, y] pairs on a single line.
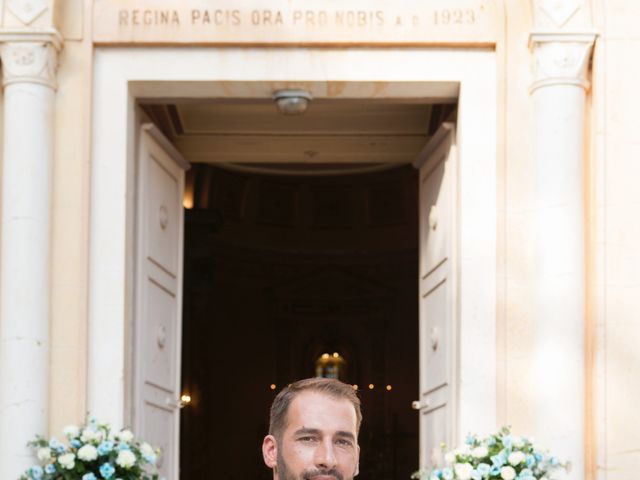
[[121, 80], [290, 277], [299, 269]]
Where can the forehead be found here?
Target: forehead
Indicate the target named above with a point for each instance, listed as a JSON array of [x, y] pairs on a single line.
[[320, 411]]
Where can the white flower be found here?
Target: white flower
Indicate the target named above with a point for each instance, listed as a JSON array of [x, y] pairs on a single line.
[[146, 449], [450, 457], [517, 442], [480, 452], [125, 436], [507, 473], [67, 460], [71, 431], [91, 435], [126, 459], [463, 471], [88, 453], [463, 450], [44, 454], [516, 458]]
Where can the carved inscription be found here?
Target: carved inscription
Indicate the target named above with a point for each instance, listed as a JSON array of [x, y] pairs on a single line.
[[297, 18], [454, 16], [148, 17], [295, 21]]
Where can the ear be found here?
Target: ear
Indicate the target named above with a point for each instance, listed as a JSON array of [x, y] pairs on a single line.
[[270, 451], [357, 461]]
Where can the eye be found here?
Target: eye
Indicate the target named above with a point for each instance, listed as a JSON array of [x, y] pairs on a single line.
[[343, 442], [306, 438]]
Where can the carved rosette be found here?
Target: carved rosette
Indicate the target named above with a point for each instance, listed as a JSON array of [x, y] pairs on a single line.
[[29, 61], [561, 58]]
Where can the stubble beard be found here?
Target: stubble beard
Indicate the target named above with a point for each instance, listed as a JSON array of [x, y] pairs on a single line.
[[285, 474]]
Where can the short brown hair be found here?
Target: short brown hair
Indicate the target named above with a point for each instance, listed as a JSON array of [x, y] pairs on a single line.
[[328, 386]]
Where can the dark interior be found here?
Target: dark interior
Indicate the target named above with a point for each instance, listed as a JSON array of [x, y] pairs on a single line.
[[283, 271]]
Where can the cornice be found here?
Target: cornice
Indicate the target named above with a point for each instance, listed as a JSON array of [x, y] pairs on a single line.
[[30, 56], [49, 35]]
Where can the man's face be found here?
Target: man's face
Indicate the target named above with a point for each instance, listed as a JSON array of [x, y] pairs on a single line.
[[318, 442]]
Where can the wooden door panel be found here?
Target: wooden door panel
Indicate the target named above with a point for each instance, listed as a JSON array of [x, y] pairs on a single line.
[[163, 214], [433, 211], [159, 324], [434, 314], [160, 426], [433, 422], [158, 311], [437, 303]]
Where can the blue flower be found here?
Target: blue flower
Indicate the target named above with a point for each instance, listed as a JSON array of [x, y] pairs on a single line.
[[75, 443], [507, 441], [525, 473], [495, 470], [89, 476], [447, 473], [470, 440], [55, 444], [123, 446], [530, 460], [36, 472], [497, 461], [151, 459], [553, 461], [107, 470], [438, 473], [504, 455], [105, 447], [50, 468], [538, 457], [484, 469], [476, 475], [491, 441]]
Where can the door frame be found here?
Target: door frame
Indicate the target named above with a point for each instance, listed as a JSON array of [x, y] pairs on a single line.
[[121, 76]]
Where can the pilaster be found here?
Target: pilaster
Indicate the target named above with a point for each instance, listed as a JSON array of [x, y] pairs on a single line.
[[561, 44], [29, 60]]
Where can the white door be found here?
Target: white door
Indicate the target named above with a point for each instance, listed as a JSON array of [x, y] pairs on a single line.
[[437, 290], [158, 297]]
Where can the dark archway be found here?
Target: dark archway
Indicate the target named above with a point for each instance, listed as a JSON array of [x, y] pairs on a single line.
[[279, 270]]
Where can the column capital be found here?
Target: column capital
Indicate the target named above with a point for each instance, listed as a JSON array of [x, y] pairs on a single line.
[[30, 56], [561, 58]]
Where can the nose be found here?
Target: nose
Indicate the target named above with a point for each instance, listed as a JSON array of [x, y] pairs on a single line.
[[325, 455]]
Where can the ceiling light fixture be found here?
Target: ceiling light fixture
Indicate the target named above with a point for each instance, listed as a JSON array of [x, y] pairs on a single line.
[[292, 102]]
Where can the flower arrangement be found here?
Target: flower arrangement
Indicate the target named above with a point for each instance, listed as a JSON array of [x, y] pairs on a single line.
[[93, 452], [500, 456]]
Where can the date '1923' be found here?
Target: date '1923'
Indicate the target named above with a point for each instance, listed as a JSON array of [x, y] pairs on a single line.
[[454, 16]]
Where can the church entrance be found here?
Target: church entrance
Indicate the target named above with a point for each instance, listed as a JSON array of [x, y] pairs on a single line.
[[166, 101], [294, 270]]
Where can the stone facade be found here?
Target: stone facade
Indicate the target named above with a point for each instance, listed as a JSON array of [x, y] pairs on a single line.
[[565, 235]]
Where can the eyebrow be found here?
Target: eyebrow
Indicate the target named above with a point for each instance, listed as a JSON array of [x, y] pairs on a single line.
[[315, 431]]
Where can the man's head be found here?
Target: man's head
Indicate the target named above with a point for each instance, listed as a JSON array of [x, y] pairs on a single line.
[[313, 431]]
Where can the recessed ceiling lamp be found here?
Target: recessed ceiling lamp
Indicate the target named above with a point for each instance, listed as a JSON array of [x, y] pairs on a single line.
[[292, 102]]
